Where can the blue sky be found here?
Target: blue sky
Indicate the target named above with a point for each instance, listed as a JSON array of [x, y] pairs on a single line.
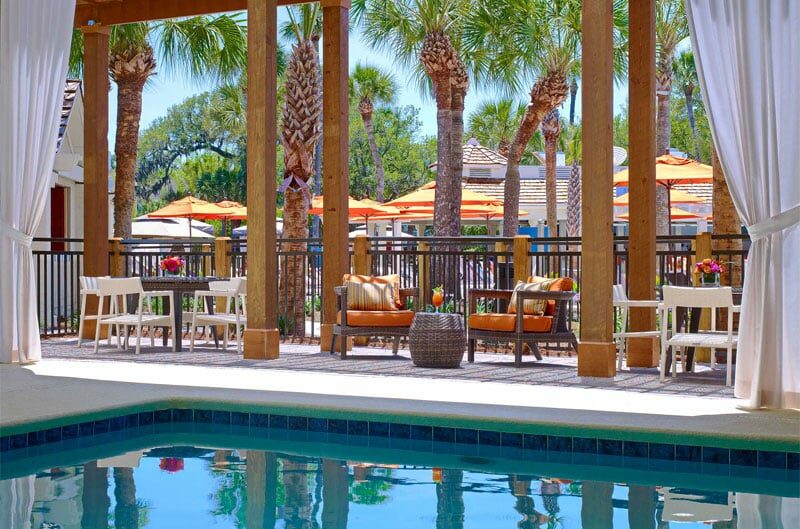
[[165, 90]]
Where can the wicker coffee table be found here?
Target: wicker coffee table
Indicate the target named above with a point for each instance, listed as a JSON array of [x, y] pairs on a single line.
[[437, 339]]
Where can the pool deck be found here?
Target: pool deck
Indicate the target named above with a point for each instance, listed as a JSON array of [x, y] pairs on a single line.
[[72, 382]]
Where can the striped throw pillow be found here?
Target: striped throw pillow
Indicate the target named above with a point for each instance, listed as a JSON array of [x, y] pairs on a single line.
[[370, 296], [530, 306]]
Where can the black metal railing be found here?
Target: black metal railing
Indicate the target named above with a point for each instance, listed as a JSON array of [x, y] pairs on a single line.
[[458, 264]]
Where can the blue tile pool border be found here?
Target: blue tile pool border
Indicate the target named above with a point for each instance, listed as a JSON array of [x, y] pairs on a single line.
[[560, 446]]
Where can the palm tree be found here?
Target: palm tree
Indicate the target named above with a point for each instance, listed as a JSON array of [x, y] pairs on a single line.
[[573, 157], [551, 130], [297, 512], [534, 39], [126, 512], [202, 47], [301, 126], [686, 82], [424, 36], [370, 85], [671, 29], [493, 123]]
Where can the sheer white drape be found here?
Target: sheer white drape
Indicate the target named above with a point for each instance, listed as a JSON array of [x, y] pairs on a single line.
[[748, 60], [34, 51]]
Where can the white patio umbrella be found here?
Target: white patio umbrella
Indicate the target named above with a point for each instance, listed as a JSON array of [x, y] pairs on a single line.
[[176, 228]]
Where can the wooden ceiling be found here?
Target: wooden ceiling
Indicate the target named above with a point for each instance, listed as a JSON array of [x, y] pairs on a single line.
[[110, 12]]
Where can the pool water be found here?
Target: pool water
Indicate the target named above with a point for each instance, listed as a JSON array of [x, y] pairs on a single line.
[[198, 487]]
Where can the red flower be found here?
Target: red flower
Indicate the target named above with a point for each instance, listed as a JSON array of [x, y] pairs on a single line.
[[171, 464]]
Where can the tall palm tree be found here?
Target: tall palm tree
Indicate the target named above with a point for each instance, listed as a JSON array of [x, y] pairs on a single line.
[[370, 85], [301, 126], [686, 82], [126, 511], [203, 47], [424, 36], [539, 40], [493, 123], [551, 130], [573, 157], [726, 220], [671, 29]]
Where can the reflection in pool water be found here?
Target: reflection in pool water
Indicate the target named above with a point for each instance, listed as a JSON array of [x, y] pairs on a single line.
[[193, 487]]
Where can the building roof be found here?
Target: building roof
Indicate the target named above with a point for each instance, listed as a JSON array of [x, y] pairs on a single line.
[[71, 92], [477, 154], [532, 191]]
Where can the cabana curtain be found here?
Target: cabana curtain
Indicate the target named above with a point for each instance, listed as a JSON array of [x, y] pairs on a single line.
[[747, 56], [34, 51]]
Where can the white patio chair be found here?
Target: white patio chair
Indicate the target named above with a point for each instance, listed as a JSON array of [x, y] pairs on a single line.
[[224, 285], [621, 302], [224, 316], [88, 288], [143, 317], [697, 298]]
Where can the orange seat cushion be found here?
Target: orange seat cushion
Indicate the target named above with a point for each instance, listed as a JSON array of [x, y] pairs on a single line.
[[562, 284], [377, 318], [393, 279], [507, 322]]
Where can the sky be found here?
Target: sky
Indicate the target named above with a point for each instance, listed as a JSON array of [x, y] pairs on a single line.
[[164, 91]]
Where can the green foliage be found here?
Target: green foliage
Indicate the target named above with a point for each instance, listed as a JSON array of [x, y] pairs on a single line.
[[405, 155], [372, 83], [681, 132]]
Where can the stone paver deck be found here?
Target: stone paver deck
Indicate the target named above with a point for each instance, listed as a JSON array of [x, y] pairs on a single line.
[[559, 371]]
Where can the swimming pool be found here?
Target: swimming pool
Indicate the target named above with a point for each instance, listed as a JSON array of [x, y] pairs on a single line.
[[218, 468]]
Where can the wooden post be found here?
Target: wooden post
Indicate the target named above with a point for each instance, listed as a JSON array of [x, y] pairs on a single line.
[[335, 172], [222, 268], [423, 272], [501, 247], [597, 352], [522, 261], [205, 249], [261, 339], [642, 352], [362, 265], [117, 259], [262, 473], [95, 160], [702, 250]]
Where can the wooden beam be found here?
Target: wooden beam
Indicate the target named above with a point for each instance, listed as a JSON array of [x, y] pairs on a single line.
[[335, 171], [95, 159], [261, 339], [127, 11], [597, 353], [642, 352]]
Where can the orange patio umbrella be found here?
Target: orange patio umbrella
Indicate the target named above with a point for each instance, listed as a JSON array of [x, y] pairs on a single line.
[[674, 214], [425, 196], [676, 196], [356, 208], [192, 208], [236, 209]]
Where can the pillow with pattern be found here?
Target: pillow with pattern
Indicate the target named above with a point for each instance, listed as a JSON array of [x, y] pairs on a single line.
[[370, 296], [531, 306]]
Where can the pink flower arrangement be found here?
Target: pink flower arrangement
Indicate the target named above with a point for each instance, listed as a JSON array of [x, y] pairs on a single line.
[[172, 264], [171, 464], [709, 266]]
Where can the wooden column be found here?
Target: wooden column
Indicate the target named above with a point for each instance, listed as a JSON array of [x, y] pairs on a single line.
[[117, 259], [423, 273], [95, 159], [702, 250], [522, 261], [362, 265], [261, 339], [335, 171], [596, 353], [642, 352]]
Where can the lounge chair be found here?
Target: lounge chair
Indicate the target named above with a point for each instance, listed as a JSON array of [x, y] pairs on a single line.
[[394, 323], [518, 327]]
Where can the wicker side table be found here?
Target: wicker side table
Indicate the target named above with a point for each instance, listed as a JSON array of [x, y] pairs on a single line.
[[437, 339]]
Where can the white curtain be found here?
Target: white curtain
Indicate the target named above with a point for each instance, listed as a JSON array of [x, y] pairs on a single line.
[[34, 51], [16, 500], [748, 59], [759, 511]]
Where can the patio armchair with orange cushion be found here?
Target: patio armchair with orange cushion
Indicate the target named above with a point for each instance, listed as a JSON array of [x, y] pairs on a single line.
[[537, 314], [372, 306]]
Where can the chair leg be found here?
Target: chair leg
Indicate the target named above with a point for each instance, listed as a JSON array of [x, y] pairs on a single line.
[[663, 360], [729, 368], [127, 337], [343, 345], [139, 338], [238, 338], [395, 345], [333, 344], [471, 350], [674, 358], [81, 319], [713, 359], [192, 331], [621, 353], [175, 337], [518, 353]]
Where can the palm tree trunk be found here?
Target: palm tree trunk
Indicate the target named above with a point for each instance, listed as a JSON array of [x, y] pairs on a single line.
[[688, 97], [450, 500], [550, 149], [292, 285], [129, 112], [298, 500], [547, 93], [663, 124], [457, 146], [376, 156], [94, 497], [126, 512], [574, 201], [446, 217], [573, 95]]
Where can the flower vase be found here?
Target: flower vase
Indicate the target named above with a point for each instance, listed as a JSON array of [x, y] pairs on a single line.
[[709, 280]]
